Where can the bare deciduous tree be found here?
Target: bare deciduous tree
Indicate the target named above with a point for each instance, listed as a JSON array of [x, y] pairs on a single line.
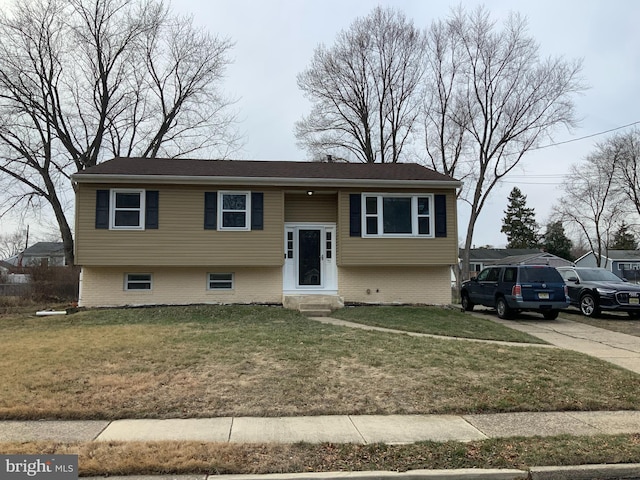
[[364, 90], [491, 99], [590, 204], [12, 244], [625, 150], [82, 80]]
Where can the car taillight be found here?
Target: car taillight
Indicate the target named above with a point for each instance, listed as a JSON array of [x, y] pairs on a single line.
[[566, 291], [516, 291]]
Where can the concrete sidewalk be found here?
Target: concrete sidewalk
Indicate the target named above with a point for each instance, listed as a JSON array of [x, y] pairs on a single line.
[[359, 429]]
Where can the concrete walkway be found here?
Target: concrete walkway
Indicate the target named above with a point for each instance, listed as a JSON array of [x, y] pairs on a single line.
[[371, 328], [359, 429]]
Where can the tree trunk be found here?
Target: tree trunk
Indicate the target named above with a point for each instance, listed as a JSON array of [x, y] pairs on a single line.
[[63, 224], [467, 246]]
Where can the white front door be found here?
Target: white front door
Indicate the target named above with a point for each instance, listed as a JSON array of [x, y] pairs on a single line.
[[309, 252]]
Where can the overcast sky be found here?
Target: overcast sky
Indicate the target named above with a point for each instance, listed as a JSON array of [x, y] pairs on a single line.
[[275, 40]]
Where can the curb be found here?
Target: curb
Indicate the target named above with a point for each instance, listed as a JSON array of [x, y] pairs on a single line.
[[586, 472], [575, 472], [464, 473]]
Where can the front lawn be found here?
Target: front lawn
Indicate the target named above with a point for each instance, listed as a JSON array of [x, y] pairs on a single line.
[[207, 361]]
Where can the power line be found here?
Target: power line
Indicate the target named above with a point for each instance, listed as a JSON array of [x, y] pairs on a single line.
[[586, 136], [543, 177], [533, 183]]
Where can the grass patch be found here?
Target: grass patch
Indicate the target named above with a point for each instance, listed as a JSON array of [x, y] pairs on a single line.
[[175, 458], [435, 321], [209, 361]]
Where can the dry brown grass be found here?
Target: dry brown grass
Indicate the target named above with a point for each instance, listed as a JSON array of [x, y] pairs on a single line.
[[157, 458], [265, 361]]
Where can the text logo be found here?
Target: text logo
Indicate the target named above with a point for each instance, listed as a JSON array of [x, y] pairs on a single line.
[[39, 467]]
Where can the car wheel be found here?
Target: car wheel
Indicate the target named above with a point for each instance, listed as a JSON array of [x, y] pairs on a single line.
[[467, 304], [550, 315], [502, 308], [589, 306]]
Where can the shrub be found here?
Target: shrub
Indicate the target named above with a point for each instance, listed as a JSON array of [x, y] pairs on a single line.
[[54, 283]]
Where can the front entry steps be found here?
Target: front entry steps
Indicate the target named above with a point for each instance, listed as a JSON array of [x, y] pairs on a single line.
[[313, 305]]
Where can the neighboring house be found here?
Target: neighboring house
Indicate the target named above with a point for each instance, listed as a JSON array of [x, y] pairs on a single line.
[[538, 258], [5, 267], [47, 254], [481, 257], [163, 231], [623, 263]]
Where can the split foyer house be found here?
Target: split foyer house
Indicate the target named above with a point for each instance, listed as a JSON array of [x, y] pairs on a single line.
[[167, 231]]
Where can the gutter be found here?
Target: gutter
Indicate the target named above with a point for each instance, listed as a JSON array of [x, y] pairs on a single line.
[[270, 181]]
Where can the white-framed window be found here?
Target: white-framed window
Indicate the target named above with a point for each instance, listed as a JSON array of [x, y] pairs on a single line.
[[629, 266], [475, 267], [220, 281], [138, 281], [127, 209], [397, 215], [234, 210]]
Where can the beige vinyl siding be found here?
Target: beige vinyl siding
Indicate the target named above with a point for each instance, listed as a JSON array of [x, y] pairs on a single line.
[[357, 251], [319, 207], [104, 286], [181, 239], [401, 285]]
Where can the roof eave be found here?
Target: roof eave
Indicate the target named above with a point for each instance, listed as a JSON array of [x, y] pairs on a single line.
[[266, 181]]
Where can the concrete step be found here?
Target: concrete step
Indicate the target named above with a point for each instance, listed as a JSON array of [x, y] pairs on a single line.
[[315, 309]]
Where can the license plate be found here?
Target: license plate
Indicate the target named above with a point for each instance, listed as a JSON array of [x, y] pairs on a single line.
[[543, 296], [634, 301]]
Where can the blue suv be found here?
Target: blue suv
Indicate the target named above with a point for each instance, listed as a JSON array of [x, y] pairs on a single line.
[[514, 288]]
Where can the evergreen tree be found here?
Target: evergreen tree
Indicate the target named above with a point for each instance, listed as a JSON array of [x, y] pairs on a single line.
[[520, 224], [623, 239], [556, 241]]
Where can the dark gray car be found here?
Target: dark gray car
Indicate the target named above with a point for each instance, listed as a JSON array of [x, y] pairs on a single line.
[[595, 289], [514, 288]]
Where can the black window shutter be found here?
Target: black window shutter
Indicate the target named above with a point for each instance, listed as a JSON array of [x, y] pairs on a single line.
[[441, 215], [102, 209], [355, 215], [257, 211], [210, 210], [151, 209]]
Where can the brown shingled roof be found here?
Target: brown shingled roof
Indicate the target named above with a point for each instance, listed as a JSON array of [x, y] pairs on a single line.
[[145, 167]]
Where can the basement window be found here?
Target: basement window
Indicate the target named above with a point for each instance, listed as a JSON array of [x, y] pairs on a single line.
[[137, 281], [220, 281]]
